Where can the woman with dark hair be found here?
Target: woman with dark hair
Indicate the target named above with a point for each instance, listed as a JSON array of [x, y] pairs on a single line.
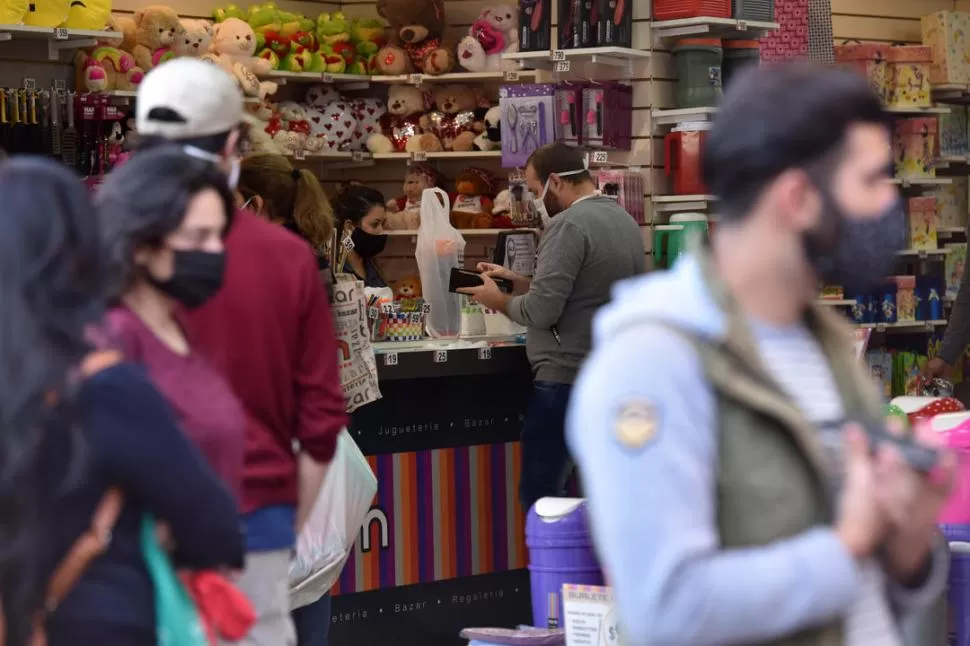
[[164, 217], [361, 215], [65, 440]]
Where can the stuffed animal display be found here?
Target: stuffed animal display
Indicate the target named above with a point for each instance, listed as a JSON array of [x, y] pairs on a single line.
[[416, 43], [404, 212], [471, 204], [493, 34]]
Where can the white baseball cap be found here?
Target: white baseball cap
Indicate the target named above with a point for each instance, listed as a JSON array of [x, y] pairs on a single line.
[[187, 98]]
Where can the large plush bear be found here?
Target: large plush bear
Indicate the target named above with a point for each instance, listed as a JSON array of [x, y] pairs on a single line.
[[416, 44], [157, 27]]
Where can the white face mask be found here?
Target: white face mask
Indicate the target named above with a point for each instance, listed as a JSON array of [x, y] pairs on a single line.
[[234, 171], [539, 203]]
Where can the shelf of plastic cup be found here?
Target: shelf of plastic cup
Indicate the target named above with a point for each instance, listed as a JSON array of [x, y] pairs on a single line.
[[723, 27], [681, 203], [468, 233], [457, 77], [918, 111], [558, 59], [903, 325], [419, 157], [58, 38], [682, 115], [836, 302], [922, 181], [922, 253]]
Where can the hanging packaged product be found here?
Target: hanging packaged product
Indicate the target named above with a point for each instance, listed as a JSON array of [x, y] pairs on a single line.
[[683, 153], [952, 204], [953, 266], [738, 54], [577, 23], [535, 25], [905, 297], [614, 21], [871, 60], [527, 120], [909, 70], [915, 147], [921, 214], [698, 72], [608, 110], [626, 187], [947, 34]]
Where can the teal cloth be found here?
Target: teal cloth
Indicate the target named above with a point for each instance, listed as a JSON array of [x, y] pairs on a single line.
[[176, 617]]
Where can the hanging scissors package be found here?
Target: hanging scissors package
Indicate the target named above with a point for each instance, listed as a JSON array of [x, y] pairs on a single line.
[[527, 120]]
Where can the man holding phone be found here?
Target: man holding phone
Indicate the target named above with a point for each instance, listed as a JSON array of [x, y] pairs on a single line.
[[723, 425], [589, 243]]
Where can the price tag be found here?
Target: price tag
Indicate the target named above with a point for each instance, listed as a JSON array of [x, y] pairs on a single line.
[[636, 169], [426, 308], [511, 77], [922, 254], [558, 55], [387, 308], [357, 156], [30, 84], [60, 86], [928, 327], [60, 33], [348, 243], [327, 77], [441, 356], [742, 25], [562, 66], [299, 155], [484, 354], [372, 312], [390, 358], [881, 327], [600, 157], [419, 156], [415, 79]]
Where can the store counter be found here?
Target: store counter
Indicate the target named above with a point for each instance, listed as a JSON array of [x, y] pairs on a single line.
[[443, 547]]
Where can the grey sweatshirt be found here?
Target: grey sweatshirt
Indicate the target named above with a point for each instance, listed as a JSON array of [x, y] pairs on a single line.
[[586, 249], [957, 334]]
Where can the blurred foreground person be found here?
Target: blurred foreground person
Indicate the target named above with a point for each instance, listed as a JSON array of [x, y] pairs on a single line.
[[268, 330], [77, 425], [733, 500]]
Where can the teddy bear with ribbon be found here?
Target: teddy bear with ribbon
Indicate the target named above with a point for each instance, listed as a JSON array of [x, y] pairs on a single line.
[[493, 34]]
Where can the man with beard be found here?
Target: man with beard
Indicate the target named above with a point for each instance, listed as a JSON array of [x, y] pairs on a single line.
[[589, 243]]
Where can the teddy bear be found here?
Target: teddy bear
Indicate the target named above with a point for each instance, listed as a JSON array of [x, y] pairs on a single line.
[[493, 34], [258, 139], [402, 122], [471, 204], [156, 28], [234, 45], [368, 112], [453, 120], [491, 136], [126, 26], [404, 212], [407, 287], [415, 44], [104, 69], [195, 38]]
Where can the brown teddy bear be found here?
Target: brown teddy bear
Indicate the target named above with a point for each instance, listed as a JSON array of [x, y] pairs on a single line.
[[407, 287], [156, 28], [401, 124], [471, 205], [454, 120], [415, 38]]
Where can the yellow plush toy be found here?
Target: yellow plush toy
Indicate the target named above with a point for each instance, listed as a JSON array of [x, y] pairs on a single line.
[[12, 12], [47, 13], [88, 14]]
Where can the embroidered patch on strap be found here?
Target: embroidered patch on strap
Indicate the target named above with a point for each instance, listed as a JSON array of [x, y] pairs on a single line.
[[636, 425]]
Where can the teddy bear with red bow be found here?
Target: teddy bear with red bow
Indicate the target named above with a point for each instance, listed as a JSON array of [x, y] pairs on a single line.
[[493, 34]]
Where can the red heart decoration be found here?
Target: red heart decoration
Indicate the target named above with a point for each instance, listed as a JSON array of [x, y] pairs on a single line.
[[328, 126], [315, 119]]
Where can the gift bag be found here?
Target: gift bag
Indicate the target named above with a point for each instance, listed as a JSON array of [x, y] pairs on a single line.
[[440, 248], [334, 523], [358, 367]]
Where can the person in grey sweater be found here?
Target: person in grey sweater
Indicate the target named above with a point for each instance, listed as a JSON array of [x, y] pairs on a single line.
[[957, 335], [588, 244]]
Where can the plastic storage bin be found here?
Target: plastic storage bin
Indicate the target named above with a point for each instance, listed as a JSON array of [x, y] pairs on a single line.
[[560, 551], [736, 55], [698, 72], [683, 152], [758, 10], [915, 145], [677, 9]]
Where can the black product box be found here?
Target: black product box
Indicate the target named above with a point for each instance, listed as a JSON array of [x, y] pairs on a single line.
[[615, 24], [535, 25], [577, 28]]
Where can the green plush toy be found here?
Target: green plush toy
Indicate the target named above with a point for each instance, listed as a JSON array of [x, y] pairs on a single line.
[[333, 28], [367, 36], [229, 11], [298, 60], [264, 17]]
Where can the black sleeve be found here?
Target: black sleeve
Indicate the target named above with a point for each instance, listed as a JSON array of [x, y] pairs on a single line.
[[139, 445]]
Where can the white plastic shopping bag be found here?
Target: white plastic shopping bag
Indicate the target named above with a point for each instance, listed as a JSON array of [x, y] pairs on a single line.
[[439, 249], [332, 528]]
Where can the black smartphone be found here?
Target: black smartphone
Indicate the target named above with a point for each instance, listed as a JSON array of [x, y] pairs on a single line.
[[464, 278], [918, 456]]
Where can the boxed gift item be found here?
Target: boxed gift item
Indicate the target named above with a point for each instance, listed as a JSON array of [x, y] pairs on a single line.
[[905, 297], [947, 34], [952, 204], [909, 75], [871, 60], [956, 260], [914, 147], [954, 139], [921, 214]]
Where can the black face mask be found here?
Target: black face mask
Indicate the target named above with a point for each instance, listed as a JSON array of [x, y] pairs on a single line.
[[856, 253], [197, 277], [368, 245]]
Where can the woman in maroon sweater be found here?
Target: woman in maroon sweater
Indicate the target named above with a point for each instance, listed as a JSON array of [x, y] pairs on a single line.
[[164, 217]]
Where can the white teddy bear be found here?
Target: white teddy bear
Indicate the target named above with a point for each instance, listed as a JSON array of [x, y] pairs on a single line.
[[493, 34], [235, 44], [195, 38]]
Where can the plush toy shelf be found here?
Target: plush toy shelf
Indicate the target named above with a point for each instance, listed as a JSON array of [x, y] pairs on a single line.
[[456, 77], [58, 39]]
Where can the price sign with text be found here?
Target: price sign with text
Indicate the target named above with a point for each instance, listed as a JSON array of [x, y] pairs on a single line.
[[327, 77], [357, 156], [30, 84], [419, 156], [484, 354], [562, 66], [441, 356], [60, 33], [600, 157], [558, 55], [390, 358], [415, 79], [512, 77]]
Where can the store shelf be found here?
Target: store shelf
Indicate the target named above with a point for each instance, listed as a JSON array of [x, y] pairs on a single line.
[[836, 302], [949, 232], [496, 355], [682, 115], [923, 253], [722, 27], [456, 77], [919, 111], [951, 93], [922, 181], [945, 161], [681, 203], [560, 60], [283, 78], [905, 326], [467, 233], [419, 157], [58, 38]]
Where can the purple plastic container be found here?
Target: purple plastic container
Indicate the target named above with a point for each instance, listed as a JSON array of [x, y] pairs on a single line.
[[560, 551], [958, 586]]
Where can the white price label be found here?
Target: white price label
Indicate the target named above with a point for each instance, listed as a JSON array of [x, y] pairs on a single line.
[[372, 312], [30, 84], [562, 66], [511, 77], [60, 33], [426, 308], [440, 356], [299, 155], [636, 169], [387, 308], [415, 79], [327, 77], [348, 243], [357, 156], [485, 354], [419, 156], [600, 157], [929, 327], [558, 55], [742, 25], [390, 358], [881, 327], [60, 86], [922, 254]]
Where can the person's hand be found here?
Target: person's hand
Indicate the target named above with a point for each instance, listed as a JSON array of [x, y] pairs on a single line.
[[862, 522], [163, 534], [488, 294], [912, 501], [520, 284], [937, 367]]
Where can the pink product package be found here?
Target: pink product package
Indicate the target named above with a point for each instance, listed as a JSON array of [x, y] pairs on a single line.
[[608, 116], [568, 101], [626, 187]]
